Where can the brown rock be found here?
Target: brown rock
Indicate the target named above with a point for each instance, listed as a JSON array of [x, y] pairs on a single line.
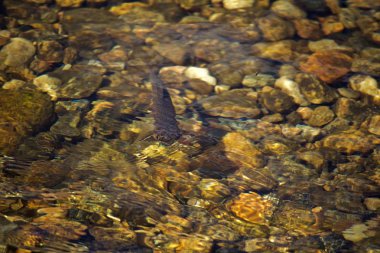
[[283, 51], [313, 90], [372, 203], [175, 52], [242, 151], [348, 109], [275, 28], [321, 116], [308, 29], [287, 9], [349, 142], [50, 51], [374, 125], [276, 100], [328, 65], [69, 3], [331, 24], [238, 103]]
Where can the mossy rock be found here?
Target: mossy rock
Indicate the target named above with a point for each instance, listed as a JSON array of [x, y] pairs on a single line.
[[22, 113]]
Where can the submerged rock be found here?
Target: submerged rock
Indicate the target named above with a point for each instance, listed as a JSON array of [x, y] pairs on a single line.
[[22, 113], [236, 103], [17, 53], [328, 65]]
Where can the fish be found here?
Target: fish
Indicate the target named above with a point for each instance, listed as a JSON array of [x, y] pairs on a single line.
[[165, 124]]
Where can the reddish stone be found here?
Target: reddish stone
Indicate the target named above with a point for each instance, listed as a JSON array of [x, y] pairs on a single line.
[[328, 65]]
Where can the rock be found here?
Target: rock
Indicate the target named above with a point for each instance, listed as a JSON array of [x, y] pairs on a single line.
[[13, 84], [17, 53], [374, 125], [349, 142], [78, 82], [292, 89], [213, 50], [331, 24], [238, 103], [69, 3], [50, 51], [275, 28], [240, 150], [366, 4], [251, 207], [326, 44], [315, 91], [275, 100], [372, 204], [328, 65], [5, 35], [227, 75], [366, 85], [366, 66], [193, 4], [124, 8], [283, 51], [348, 93], [175, 52], [237, 4], [349, 109], [287, 9], [321, 116], [22, 113], [201, 74], [258, 80], [114, 59], [348, 17], [308, 29]]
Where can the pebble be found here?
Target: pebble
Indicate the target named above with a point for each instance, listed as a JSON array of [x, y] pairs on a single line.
[[235, 103], [201, 74], [13, 84], [69, 3], [287, 9], [314, 90], [258, 80], [366, 85], [372, 204], [328, 65], [374, 125], [320, 116], [279, 51], [17, 52], [275, 28], [275, 100], [291, 88], [308, 29], [237, 4]]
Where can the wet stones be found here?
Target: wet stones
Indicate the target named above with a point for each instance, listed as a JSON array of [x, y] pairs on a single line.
[[275, 100], [287, 9], [17, 53], [80, 81], [314, 90], [275, 28], [320, 116], [283, 51], [22, 113], [251, 207], [237, 4], [328, 65], [374, 125], [235, 104], [350, 142]]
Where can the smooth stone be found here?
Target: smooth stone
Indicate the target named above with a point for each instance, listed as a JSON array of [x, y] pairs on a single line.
[[331, 24], [18, 52], [321, 116], [314, 90], [201, 74], [69, 3], [175, 52], [237, 103], [237, 4], [308, 29], [275, 100], [13, 84], [291, 88], [287, 9], [258, 80], [279, 51], [275, 28], [372, 204], [374, 125]]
